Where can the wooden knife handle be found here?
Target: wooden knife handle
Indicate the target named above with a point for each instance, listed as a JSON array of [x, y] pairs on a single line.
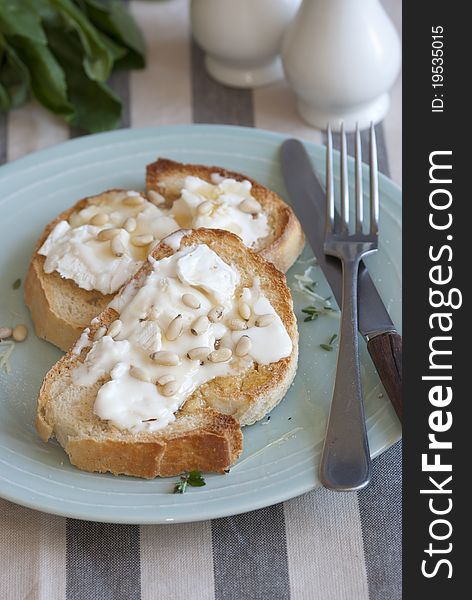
[[386, 352]]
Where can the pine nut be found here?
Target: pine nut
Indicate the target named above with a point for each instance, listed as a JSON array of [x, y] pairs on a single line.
[[191, 301], [107, 234], [244, 310], [264, 320], [170, 389], [200, 353], [163, 357], [200, 326], [99, 333], [142, 240], [237, 325], [5, 332], [117, 246], [220, 355], [216, 313], [175, 328], [130, 224], [133, 201], [100, 219], [243, 346], [163, 379], [155, 197], [205, 207], [249, 205], [114, 328], [139, 373]]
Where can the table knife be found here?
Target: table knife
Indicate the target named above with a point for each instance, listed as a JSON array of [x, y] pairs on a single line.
[[375, 325]]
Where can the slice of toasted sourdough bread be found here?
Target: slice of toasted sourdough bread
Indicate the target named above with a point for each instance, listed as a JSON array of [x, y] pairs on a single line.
[[285, 241], [206, 433], [60, 309]]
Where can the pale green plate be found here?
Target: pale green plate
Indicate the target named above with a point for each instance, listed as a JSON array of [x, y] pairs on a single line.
[[281, 455]]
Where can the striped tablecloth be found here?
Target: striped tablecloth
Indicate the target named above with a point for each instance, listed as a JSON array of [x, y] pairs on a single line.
[[320, 546]]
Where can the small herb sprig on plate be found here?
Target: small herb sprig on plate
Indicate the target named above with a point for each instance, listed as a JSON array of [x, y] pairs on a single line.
[[16, 284], [313, 312], [193, 478], [329, 346], [306, 285]]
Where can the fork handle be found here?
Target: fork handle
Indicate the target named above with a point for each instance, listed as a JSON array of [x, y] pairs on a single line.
[[345, 463], [385, 350]]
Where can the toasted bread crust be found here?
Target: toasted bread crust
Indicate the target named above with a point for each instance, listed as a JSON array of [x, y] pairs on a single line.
[[45, 292], [209, 448], [286, 240], [206, 434]]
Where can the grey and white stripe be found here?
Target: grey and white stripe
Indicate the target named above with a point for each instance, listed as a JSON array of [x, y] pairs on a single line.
[[216, 103], [102, 561], [319, 546], [177, 562], [381, 521], [250, 556]]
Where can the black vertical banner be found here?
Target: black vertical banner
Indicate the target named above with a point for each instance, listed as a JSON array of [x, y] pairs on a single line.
[[437, 325]]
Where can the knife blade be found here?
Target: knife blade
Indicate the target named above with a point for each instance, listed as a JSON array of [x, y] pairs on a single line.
[[309, 202]]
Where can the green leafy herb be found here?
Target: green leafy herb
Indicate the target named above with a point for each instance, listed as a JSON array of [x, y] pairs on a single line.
[[306, 285], [113, 18], [63, 52], [193, 478], [97, 59], [181, 486], [16, 284], [47, 79], [326, 347], [97, 108], [20, 17], [329, 346], [14, 77], [313, 312]]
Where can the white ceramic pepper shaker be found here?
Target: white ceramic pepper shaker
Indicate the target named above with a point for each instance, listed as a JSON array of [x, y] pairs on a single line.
[[242, 38], [341, 57]]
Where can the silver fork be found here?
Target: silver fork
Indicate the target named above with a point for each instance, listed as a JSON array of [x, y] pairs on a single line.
[[345, 463]]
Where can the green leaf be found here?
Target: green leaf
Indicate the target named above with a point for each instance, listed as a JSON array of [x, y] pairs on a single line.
[[180, 486], [47, 77], [333, 338], [195, 479], [310, 310], [98, 59], [113, 18], [21, 17], [16, 284], [326, 347], [14, 77], [96, 107], [115, 50]]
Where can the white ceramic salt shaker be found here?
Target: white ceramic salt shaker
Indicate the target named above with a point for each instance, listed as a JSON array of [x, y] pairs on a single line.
[[242, 38], [341, 57]]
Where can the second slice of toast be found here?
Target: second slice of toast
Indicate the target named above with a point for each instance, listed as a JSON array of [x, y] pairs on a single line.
[[205, 433]]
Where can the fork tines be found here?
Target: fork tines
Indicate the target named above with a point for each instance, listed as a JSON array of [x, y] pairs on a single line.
[[344, 180]]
